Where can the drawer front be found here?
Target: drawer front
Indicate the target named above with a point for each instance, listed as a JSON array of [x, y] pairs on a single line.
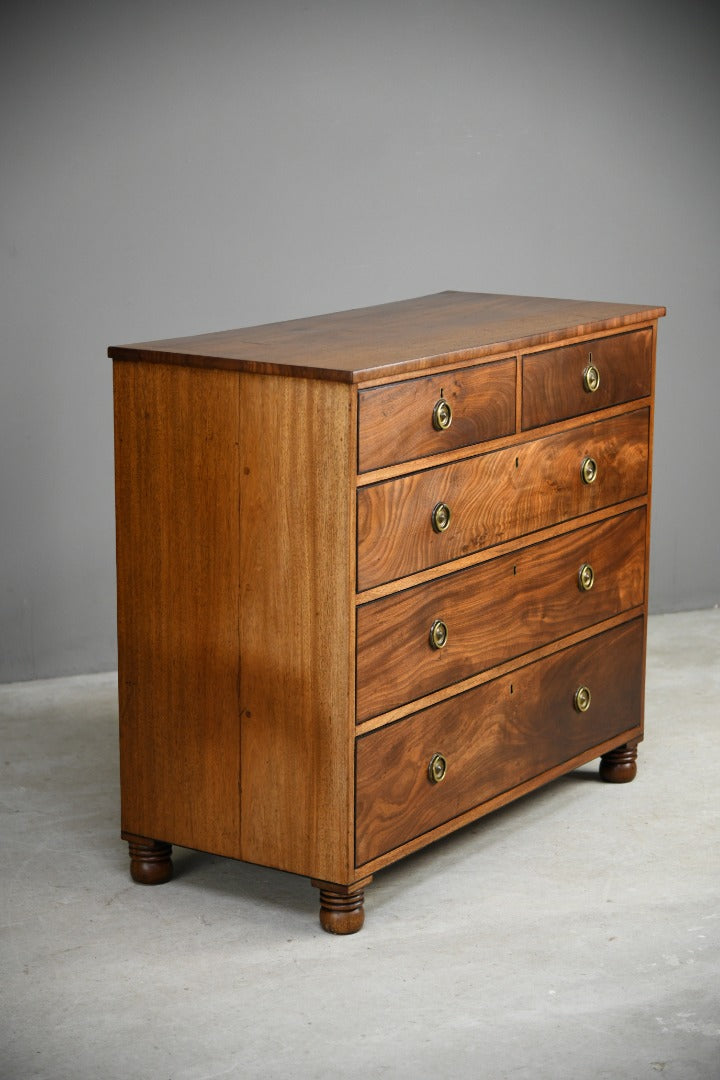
[[555, 385], [495, 611], [494, 738], [399, 422], [498, 496]]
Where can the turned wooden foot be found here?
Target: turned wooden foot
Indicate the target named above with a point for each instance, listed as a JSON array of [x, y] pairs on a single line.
[[619, 766], [150, 862], [341, 907]]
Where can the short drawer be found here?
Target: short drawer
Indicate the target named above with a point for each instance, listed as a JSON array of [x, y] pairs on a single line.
[[495, 737], [425, 519], [578, 379], [434, 413], [495, 611]]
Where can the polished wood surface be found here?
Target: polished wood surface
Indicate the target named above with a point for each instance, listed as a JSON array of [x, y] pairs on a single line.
[[552, 382], [498, 496], [150, 860], [493, 738], [279, 574], [296, 625], [396, 422], [496, 611], [341, 906], [233, 691], [178, 561], [389, 339], [619, 765]]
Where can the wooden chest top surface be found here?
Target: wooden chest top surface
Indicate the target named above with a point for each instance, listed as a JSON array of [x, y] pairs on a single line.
[[410, 335]]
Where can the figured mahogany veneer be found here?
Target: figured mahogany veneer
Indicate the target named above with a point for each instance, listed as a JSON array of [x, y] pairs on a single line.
[[498, 496], [496, 611], [396, 422], [552, 382], [494, 738], [346, 628]]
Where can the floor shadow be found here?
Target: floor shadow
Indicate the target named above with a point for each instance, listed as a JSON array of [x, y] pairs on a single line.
[[230, 877], [234, 879]]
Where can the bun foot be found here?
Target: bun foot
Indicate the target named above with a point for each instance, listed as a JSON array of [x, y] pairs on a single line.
[[341, 914], [619, 766], [341, 907], [150, 862]]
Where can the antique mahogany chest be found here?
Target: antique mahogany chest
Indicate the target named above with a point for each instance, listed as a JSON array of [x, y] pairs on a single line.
[[379, 573]]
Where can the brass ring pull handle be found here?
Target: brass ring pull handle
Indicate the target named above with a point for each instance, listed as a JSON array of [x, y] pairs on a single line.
[[582, 699], [438, 634], [589, 470], [442, 415], [441, 517], [437, 769], [591, 377], [586, 577]]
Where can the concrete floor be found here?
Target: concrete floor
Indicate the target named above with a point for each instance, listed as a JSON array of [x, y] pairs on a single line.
[[574, 935]]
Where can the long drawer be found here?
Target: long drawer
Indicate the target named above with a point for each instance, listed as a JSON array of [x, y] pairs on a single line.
[[435, 413], [496, 611], [494, 737], [578, 379], [495, 497]]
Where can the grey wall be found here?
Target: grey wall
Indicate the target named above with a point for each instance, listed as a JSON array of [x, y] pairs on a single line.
[[168, 168]]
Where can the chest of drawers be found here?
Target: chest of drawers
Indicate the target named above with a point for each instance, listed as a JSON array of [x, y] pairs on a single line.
[[379, 573]]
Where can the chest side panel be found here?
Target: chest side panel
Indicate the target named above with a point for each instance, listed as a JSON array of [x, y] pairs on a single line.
[[177, 475], [296, 633]]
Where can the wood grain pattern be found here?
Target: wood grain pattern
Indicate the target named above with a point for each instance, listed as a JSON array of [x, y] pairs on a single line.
[[177, 478], [247, 656], [236, 635], [494, 738], [498, 496], [396, 422], [389, 339], [297, 643], [495, 611], [553, 381], [496, 803]]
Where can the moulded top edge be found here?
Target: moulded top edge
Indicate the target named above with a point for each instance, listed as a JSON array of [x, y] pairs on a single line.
[[409, 335]]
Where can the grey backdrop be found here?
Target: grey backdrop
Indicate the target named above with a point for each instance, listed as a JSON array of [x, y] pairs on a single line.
[[170, 168]]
